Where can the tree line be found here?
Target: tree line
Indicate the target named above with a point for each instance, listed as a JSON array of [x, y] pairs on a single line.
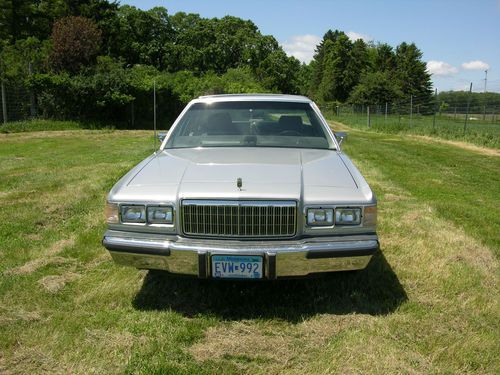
[[98, 59]]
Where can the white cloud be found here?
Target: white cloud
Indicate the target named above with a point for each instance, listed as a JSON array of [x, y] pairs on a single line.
[[301, 46], [355, 36], [475, 65], [441, 68]]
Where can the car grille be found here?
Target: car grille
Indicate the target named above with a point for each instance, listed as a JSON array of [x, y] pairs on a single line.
[[239, 218]]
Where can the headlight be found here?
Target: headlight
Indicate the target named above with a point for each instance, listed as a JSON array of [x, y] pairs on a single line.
[[348, 216], [320, 216], [111, 213], [133, 214], [160, 215]]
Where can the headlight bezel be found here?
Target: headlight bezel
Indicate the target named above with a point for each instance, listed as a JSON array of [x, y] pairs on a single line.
[[358, 213], [153, 221], [123, 211], [371, 214], [328, 212], [144, 220]]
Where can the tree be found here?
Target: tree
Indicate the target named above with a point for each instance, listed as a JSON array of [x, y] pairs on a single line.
[[143, 37], [375, 88], [411, 72], [318, 60], [279, 73], [334, 84], [384, 58], [358, 64], [76, 42], [16, 59], [15, 19]]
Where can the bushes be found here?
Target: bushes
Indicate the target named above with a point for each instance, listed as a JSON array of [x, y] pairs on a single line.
[[75, 43], [112, 93]]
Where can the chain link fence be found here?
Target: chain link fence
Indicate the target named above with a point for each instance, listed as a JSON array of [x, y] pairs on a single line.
[[19, 103], [476, 122], [479, 123]]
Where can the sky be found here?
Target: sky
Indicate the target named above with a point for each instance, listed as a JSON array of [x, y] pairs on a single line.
[[459, 39]]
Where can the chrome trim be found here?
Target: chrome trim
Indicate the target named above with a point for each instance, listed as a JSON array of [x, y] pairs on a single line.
[[242, 202], [239, 218], [288, 257], [243, 248]]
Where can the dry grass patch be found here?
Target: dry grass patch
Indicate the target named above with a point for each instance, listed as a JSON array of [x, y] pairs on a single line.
[[10, 315], [36, 264], [275, 348], [462, 145], [54, 283], [33, 361]]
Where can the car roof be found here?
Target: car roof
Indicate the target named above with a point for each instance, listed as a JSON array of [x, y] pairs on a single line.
[[252, 97]]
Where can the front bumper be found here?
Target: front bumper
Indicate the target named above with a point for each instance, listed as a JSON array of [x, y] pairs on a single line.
[[288, 258]]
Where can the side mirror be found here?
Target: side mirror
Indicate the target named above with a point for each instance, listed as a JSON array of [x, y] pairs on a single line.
[[341, 137], [161, 137]]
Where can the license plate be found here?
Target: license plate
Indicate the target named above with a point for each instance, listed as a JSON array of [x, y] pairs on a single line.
[[236, 266]]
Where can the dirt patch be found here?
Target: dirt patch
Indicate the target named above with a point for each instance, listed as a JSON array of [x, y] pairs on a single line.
[[463, 145], [54, 283]]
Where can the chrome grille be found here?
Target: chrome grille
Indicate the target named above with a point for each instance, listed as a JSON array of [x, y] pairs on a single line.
[[239, 218]]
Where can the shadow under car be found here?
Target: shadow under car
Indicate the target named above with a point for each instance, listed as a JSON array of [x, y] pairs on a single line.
[[374, 290]]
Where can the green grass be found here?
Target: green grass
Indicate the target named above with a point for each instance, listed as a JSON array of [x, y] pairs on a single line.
[[428, 303], [478, 132], [48, 125]]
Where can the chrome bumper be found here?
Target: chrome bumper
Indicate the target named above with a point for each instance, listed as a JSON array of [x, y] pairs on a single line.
[[281, 258]]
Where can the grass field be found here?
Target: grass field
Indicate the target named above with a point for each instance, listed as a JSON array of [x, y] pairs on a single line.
[[428, 303], [479, 132]]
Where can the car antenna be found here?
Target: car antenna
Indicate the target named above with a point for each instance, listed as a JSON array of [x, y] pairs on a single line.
[[154, 115]]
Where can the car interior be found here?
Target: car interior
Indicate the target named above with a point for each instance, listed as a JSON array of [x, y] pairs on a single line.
[[221, 123]]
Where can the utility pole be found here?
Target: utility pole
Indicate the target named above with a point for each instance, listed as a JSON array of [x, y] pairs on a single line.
[[468, 105], [485, 82], [485, 79], [154, 112], [4, 103], [32, 94], [435, 109], [411, 109]]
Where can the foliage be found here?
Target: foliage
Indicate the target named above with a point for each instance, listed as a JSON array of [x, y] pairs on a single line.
[[411, 71], [375, 88], [103, 58], [339, 64], [75, 43], [15, 59], [477, 101]]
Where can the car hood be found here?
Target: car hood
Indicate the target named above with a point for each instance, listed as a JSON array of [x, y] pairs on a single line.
[[265, 173]]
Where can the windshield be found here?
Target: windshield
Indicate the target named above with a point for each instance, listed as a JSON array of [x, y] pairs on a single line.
[[250, 124]]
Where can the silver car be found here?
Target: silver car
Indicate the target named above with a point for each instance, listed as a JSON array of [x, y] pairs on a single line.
[[244, 187]]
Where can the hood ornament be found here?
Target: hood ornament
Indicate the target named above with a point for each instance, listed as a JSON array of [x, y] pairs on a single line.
[[239, 183]]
